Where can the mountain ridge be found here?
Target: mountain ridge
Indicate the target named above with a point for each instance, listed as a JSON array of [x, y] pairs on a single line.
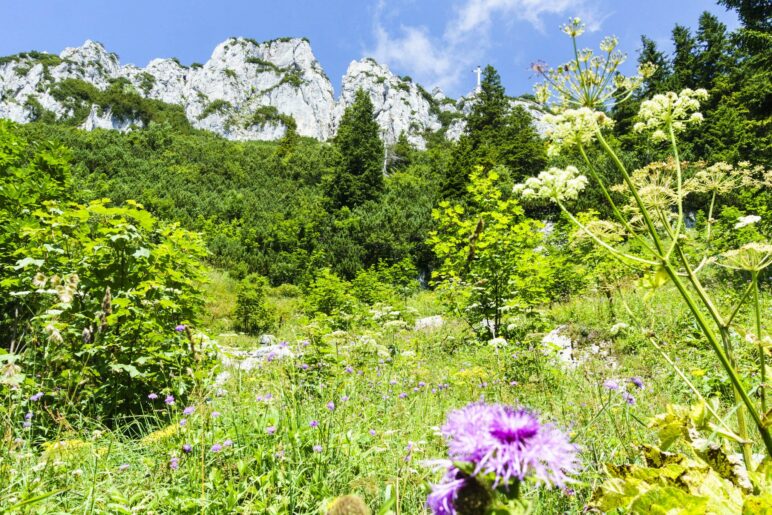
[[247, 90]]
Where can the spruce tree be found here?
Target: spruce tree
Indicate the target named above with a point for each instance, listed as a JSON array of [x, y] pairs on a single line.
[[495, 134], [359, 174], [683, 59]]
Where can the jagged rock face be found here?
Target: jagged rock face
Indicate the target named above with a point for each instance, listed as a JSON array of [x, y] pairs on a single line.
[[245, 91], [400, 105], [242, 92]]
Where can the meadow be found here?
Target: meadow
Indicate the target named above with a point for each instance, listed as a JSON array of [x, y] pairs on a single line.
[[507, 324]]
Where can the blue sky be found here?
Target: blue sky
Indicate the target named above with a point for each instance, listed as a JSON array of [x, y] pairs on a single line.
[[437, 42]]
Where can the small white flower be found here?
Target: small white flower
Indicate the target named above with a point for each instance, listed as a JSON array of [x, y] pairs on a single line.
[[744, 221]]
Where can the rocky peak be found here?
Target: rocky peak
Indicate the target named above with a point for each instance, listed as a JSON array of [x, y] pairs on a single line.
[[401, 106], [246, 90]]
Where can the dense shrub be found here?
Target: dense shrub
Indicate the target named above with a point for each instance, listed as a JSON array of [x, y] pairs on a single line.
[[253, 315], [97, 300]]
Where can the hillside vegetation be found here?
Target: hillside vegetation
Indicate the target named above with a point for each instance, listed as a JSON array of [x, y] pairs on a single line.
[[506, 324]]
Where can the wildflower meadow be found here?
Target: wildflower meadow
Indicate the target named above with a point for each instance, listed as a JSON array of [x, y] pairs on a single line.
[[514, 322]]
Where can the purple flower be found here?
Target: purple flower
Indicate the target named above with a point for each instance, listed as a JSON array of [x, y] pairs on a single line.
[[393, 382], [228, 443], [187, 447], [434, 390], [416, 389], [610, 384], [421, 384], [304, 366], [28, 416], [270, 430], [331, 406], [183, 422], [403, 395], [638, 382], [510, 443], [629, 399], [174, 463], [283, 344], [372, 432], [215, 414], [27, 424], [344, 398], [123, 467], [314, 423], [216, 448], [180, 328], [152, 396], [36, 397], [189, 410], [349, 370], [317, 448], [457, 486], [169, 400]]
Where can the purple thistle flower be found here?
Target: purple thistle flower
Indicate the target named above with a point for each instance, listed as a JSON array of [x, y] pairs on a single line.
[[313, 423], [189, 410], [317, 448], [270, 430], [331, 406], [169, 400], [510, 443], [187, 447], [36, 397], [638, 382], [180, 328], [174, 463], [216, 448], [152, 396], [629, 399], [610, 384], [457, 489]]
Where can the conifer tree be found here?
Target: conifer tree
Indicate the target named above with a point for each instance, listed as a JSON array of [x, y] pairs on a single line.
[[495, 134], [359, 174]]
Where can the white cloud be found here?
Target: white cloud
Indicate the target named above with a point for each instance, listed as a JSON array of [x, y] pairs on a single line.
[[442, 60]]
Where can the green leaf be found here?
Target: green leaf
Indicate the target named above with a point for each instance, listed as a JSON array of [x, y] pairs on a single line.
[[131, 369], [669, 501], [24, 263]]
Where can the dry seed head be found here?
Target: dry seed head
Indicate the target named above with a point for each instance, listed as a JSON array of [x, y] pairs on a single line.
[[348, 505]]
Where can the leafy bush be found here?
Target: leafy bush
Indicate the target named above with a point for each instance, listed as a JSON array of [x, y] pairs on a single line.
[[92, 293], [253, 315]]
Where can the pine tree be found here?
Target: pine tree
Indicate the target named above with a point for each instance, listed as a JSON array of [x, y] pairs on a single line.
[[495, 134], [683, 59], [712, 59], [754, 14], [359, 174]]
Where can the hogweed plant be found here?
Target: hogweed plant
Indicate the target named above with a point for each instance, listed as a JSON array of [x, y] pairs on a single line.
[[652, 219]]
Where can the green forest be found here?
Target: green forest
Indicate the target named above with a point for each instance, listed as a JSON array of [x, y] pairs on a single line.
[[509, 323]]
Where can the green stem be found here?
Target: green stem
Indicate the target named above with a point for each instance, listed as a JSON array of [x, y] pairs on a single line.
[[762, 361], [626, 176], [606, 194], [742, 426], [722, 357], [679, 223]]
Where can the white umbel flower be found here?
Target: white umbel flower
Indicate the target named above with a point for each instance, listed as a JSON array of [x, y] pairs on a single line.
[[670, 109], [554, 184]]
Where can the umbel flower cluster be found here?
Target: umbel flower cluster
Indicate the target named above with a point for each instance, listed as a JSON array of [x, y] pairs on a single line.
[[674, 110], [554, 184], [498, 447]]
